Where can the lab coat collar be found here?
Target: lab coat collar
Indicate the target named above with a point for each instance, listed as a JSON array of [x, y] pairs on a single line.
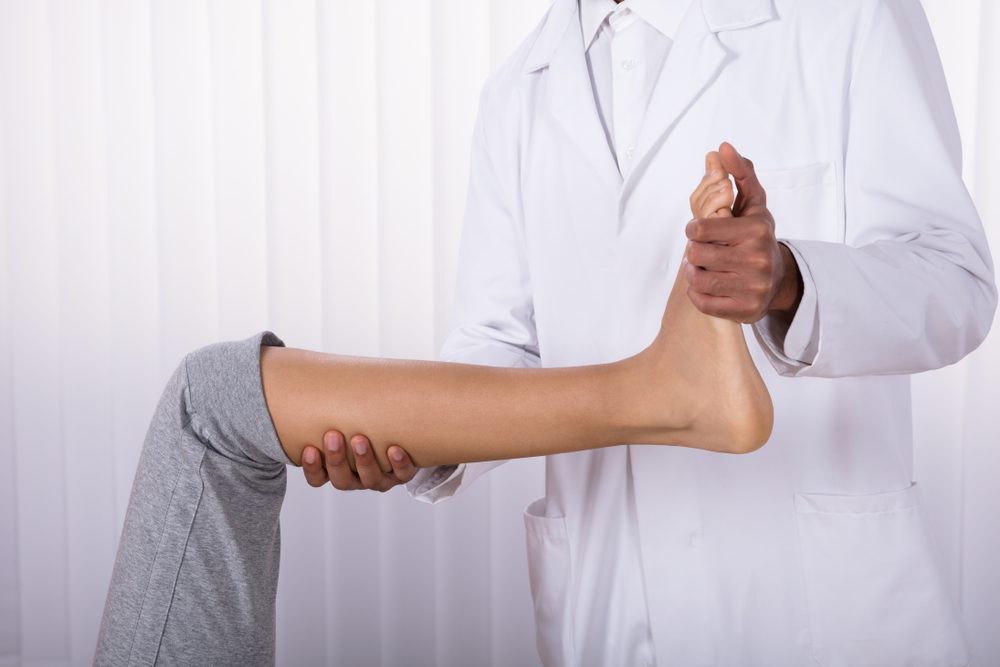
[[719, 16], [663, 15], [723, 15], [592, 15]]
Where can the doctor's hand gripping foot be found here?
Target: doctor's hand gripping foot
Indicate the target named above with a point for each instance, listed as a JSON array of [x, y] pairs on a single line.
[[196, 574]]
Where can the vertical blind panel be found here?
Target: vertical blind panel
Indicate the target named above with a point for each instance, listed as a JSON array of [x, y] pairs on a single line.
[[462, 566], [136, 371], [461, 62], [25, 49], [240, 168], [462, 561], [294, 277], [290, 80], [355, 633], [184, 177], [405, 217], [510, 23], [349, 580], [9, 622], [80, 187], [408, 586], [405, 44], [348, 149]]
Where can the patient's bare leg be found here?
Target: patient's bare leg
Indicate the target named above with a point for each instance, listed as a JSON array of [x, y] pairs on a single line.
[[695, 385]]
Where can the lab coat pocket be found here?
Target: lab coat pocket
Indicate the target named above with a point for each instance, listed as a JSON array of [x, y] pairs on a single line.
[[550, 575], [874, 593], [804, 202]]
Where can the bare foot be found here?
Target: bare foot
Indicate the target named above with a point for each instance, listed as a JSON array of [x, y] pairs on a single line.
[[715, 387]]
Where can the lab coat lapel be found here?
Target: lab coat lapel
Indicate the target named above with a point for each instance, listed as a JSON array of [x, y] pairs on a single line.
[[590, 180], [695, 61], [570, 99]]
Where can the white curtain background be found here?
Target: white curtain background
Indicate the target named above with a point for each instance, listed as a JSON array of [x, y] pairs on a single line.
[[178, 172]]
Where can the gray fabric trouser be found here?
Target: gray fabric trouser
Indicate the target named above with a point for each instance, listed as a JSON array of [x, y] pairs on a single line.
[[196, 574]]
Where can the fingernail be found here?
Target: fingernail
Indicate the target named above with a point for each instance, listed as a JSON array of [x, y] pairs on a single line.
[[333, 444], [397, 454], [715, 173], [360, 448], [309, 456]]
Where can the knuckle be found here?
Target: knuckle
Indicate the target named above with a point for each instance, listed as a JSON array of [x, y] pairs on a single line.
[[694, 230], [691, 274], [694, 254], [759, 263]]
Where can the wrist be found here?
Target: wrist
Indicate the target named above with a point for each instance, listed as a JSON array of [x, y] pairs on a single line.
[[789, 294]]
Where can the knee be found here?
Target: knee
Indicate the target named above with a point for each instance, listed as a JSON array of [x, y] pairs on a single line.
[[225, 399]]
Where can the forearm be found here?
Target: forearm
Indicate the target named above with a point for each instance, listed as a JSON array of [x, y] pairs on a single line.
[[436, 411]]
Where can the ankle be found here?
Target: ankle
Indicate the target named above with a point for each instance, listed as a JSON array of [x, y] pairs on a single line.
[[654, 401]]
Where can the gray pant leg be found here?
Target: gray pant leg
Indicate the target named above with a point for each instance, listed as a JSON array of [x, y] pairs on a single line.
[[196, 574]]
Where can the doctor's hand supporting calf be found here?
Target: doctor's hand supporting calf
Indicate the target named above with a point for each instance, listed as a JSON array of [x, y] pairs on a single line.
[[735, 269]]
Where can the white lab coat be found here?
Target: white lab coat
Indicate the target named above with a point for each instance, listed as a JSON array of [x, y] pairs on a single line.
[[813, 548]]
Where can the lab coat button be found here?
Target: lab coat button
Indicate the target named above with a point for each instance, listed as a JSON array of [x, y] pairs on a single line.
[[629, 152], [629, 64]]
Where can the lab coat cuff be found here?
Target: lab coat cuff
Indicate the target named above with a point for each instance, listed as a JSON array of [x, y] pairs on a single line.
[[432, 485], [793, 347]]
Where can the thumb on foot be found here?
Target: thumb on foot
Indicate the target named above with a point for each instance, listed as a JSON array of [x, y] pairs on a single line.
[[750, 193]]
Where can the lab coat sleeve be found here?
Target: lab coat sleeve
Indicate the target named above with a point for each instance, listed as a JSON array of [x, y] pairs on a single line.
[[912, 288], [494, 322]]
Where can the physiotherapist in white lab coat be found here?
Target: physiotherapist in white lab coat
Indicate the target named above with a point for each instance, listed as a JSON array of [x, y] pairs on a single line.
[[589, 141]]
